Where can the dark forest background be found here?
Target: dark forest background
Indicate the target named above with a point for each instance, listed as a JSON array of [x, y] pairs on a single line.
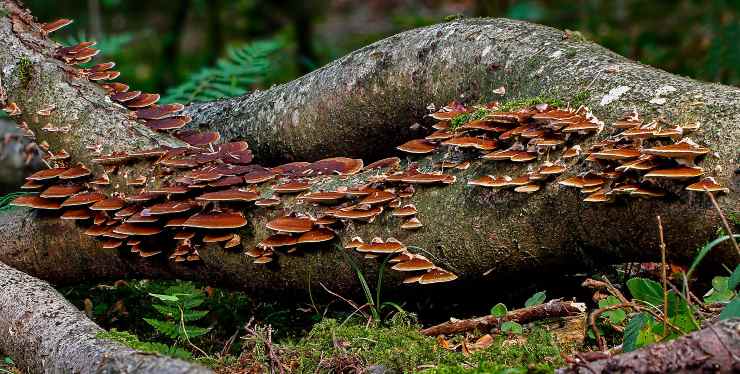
[[160, 43]]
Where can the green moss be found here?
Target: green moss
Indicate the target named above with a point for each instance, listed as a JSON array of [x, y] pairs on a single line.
[[528, 102], [3, 12], [399, 347], [25, 69], [132, 341]]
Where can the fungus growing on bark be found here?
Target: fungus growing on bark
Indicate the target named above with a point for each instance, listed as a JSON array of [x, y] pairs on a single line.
[[587, 180], [415, 263], [235, 240], [616, 154], [136, 229], [229, 195], [471, 142], [328, 197], [707, 184], [360, 214], [437, 275], [378, 197], [84, 198], [390, 162], [123, 97], [291, 224], [50, 27], [316, 236], [527, 188], [59, 191], [76, 214], [168, 207], [278, 240], [405, 211], [423, 178], [46, 174], [217, 237], [156, 112], [216, 220], [418, 146], [113, 203], [679, 172], [412, 223], [36, 202], [169, 123], [685, 150], [267, 202], [263, 260], [523, 157], [75, 172], [336, 165], [386, 247], [142, 101]]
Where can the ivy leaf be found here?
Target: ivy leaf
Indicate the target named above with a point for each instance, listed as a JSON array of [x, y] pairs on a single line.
[[171, 298], [512, 327], [734, 278], [499, 310], [731, 310], [535, 299], [639, 332], [646, 290]]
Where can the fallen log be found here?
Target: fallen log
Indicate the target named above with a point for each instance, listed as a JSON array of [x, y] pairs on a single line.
[[715, 349], [44, 333], [552, 309]]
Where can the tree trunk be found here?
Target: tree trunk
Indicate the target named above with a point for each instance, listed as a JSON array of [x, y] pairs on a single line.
[[44, 333], [377, 93]]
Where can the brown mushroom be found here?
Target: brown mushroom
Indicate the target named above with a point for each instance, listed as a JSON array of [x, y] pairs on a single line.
[[142, 101], [418, 146], [216, 220], [405, 211], [50, 27], [416, 263], [84, 198], [76, 214], [291, 224], [36, 202], [217, 237], [412, 223], [707, 184], [229, 195], [75, 172], [679, 172], [381, 247], [292, 187], [113, 203], [59, 191], [437, 275], [316, 236], [137, 230]]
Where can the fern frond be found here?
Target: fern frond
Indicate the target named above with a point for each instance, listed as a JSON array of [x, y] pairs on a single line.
[[231, 76], [5, 200]]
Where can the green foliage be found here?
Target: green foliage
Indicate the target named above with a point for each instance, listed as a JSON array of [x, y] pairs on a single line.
[[400, 347], [615, 316], [467, 117], [25, 71], [734, 280], [536, 299], [646, 290], [732, 310], [705, 250], [720, 292], [499, 310], [512, 327], [132, 341], [638, 332], [177, 305], [231, 76], [5, 200]]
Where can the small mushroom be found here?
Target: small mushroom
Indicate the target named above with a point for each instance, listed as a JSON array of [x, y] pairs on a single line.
[[316, 236], [679, 172], [707, 184], [291, 224], [412, 223], [418, 146], [437, 275], [216, 220], [48, 28]]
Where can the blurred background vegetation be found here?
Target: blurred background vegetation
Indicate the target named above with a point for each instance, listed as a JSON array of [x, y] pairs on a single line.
[[159, 44]]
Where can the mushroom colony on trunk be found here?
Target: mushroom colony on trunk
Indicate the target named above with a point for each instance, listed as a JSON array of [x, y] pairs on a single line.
[[197, 195]]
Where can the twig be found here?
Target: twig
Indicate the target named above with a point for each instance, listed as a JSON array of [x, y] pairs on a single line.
[[350, 302], [724, 221], [185, 332], [663, 276], [596, 313]]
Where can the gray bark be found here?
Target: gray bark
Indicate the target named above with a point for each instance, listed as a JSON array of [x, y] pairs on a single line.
[[713, 349], [44, 333]]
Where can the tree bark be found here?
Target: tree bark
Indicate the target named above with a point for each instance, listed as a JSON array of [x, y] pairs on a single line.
[[712, 349], [44, 333], [376, 93]]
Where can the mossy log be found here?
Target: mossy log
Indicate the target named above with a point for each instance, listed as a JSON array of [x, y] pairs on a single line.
[[482, 236]]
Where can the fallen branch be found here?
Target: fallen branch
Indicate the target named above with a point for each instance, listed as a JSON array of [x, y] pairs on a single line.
[[44, 333], [551, 309], [712, 349]]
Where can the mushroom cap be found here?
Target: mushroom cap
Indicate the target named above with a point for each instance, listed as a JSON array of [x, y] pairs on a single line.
[[471, 142], [336, 165], [169, 190], [50, 27], [168, 207], [217, 237], [259, 176], [552, 170], [598, 197], [405, 211], [292, 168], [527, 188], [506, 154], [316, 236], [267, 202], [583, 181], [32, 185], [381, 248], [707, 184], [235, 240], [323, 197], [390, 162], [437, 275], [679, 172], [358, 213], [292, 187], [291, 224], [647, 192], [229, 195], [417, 146], [424, 178], [490, 181], [134, 229], [36, 202], [75, 172], [440, 135], [84, 198], [378, 197], [46, 174], [216, 220], [616, 154], [279, 240], [198, 139], [123, 97], [159, 111], [169, 123], [113, 203], [416, 263], [263, 260], [411, 224], [143, 100], [76, 214], [678, 150], [58, 191]]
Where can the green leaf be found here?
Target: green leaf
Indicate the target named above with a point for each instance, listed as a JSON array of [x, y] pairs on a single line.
[[512, 327], [165, 297], [499, 310], [720, 283], [8, 361], [639, 332], [646, 290], [536, 299], [704, 250], [731, 310], [734, 278], [615, 316], [720, 291]]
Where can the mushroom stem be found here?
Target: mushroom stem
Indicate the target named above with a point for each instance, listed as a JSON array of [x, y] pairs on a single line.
[[724, 221]]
